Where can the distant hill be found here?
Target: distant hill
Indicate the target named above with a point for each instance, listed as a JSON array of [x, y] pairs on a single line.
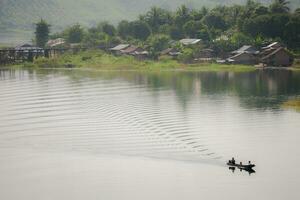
[[17, 16]]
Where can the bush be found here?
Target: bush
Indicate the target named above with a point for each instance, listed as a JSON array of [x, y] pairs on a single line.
[[46, 63], [187, 56]]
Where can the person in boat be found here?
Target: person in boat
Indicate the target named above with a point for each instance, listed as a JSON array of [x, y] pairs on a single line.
[[232, 161]]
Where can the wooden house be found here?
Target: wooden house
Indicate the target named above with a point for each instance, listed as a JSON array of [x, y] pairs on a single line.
[[247, 49], [243, 58], [279, 57], [117, 50], [170, 52]]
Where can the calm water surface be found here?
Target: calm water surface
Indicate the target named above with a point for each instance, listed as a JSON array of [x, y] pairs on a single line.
[[71, 134]]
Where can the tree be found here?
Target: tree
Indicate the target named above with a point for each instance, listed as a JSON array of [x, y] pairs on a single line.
[[156, 17], [261, 10], [292, 33], [297, 11], [175, 32], [187, 55], [157, 44], [182, 16], [239, 39], [280, 6], [123, 29], [215, 20], [95, 38], [75, 34], [140, 30], [191, 28], [107, 28], [42, 31]]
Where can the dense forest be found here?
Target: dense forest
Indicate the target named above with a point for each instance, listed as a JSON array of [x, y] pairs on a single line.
[[223, 28], [17, 16]]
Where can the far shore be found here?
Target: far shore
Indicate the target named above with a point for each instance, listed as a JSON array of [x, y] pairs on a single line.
[[102, 61]]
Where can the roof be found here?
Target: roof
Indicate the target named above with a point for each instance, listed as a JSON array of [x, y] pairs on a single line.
[[272, 45], [170, 51], [274, 52], [120, 47], [141, 53], [130, 49], [245, 48], [27, 47], [56, 42], [188, 41], [239, 54]]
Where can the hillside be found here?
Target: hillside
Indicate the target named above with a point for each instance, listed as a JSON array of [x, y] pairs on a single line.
[[17, 16]]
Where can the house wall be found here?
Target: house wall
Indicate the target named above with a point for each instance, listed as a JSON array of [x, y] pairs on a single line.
[[281, 58], [245, 59]]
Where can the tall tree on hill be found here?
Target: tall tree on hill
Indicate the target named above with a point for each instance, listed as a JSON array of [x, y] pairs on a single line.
[[156, 17], [42, 30], [182, 16], [140, 30], [280, 6]]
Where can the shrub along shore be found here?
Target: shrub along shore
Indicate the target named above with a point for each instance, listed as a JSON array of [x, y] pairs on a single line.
[[99, 60]]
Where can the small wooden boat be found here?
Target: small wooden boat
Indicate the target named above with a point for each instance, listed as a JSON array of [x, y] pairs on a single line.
[[241, 166]]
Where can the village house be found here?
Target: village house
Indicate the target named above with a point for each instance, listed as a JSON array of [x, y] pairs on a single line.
[[59, 42], [245, 49], [170, 52], [131, 49], [117, 50], [137, 52], [274, 45], [279, 57], [247, 55], [189, 42], [243, 58]]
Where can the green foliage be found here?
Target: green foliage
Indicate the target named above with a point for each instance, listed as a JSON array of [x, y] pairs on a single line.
[[123, 29], [157, 44], [239, 39], [215, 20], [279, 6], [140, 30], [292, 32], [156, 17], [107, 28], [249, 24], [74, 34], [187, 55], [42, 30]]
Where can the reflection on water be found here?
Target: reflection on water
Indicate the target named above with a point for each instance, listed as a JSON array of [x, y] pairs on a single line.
[[168, 130], [250, 170]]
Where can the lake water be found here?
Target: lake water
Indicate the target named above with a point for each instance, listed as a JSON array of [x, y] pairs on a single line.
[[74, 134]]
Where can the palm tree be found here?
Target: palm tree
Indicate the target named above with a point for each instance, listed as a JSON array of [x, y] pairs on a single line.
[[280, 6], [182, 15]]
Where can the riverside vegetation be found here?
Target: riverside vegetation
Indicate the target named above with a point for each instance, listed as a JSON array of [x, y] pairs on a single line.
[[223, 29], [96, 59]]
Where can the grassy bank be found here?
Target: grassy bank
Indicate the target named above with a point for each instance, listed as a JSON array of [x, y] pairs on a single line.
[[103, 61], [294, 104]]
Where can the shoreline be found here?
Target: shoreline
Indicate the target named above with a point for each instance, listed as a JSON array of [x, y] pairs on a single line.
[[101, 61]]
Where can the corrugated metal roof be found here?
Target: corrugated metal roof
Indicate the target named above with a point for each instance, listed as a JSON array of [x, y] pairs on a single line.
[[188, 41], [246, 48], [120, 47]]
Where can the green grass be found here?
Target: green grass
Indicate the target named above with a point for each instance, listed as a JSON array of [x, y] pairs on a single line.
[[103, 61], [294, 104]]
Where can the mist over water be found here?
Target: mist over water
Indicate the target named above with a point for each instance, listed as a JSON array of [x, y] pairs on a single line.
[[74, 134]]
